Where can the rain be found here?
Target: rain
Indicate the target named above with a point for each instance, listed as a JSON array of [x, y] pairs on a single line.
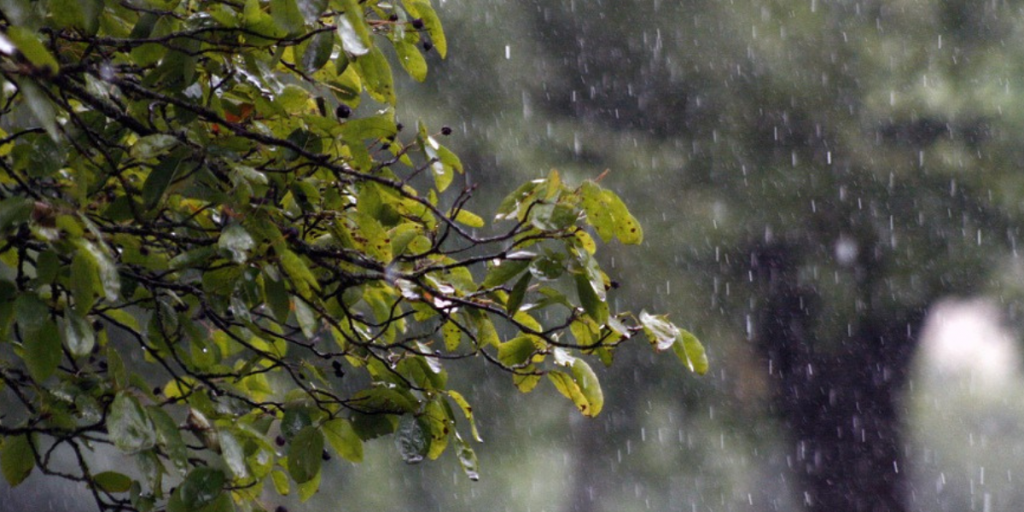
[[832, 197]]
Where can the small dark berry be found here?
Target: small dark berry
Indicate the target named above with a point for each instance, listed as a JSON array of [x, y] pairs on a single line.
[[97, 326], [291, 232], [281, 508], [385, 146], [279, 440], [325, 456], [446, 130], [343, 111], [399, 126], [417, 23], [393, 17], [338, 373], [336, 365], [144, 251], [181, 308], [157, 391], [103, 365], [427, 46]]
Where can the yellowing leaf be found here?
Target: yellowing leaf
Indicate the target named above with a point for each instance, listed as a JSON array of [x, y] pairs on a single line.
[[343, 438]]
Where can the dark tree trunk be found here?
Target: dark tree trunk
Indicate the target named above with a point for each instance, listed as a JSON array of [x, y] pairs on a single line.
[[838, 405]]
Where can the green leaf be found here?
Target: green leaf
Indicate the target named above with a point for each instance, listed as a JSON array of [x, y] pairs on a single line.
[[411, 439], [16, 459], [355, 35], [422, 9], [237, 242], [115, 368], [306, 317], [233, 453], [294, 421], [515, 298], [317, 52], [129, 426], [276, 294], [381, 399], [33, 49], [661, 333], [102, 268], [689, 350], [592, 304], [79, 336], [305, 454], [15, 211], [375, 71], [152, 146], [40, 106], [411, 59], [112, 481], [301, 277], [160, 179], [201, 487], [589, 386], [344, 439], [506, 270], [287, 16], [42, 349], [516, 351], [169, 437]]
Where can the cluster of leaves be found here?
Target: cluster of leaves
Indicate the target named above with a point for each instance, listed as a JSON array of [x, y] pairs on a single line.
[[215, 255]]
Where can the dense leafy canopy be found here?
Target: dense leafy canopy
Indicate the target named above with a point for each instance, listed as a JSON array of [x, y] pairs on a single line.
[[221, 253]]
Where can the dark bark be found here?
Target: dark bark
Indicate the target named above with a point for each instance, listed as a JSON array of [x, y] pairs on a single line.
[[837, 404]]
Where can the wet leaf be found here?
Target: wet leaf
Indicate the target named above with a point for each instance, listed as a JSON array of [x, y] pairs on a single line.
[[500, 274], [201, 487], [16, 459], [237, 242], [375, 71], [79, 336], [287, 16], [42, 349], [589, 386], [233, 453], [690, 351], [411, 439], [592, 304], [112, 481], [518, 294], [129, 426], [304, 454], [355, 36], [661, 333]]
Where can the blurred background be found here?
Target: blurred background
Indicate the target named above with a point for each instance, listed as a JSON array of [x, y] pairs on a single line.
[[832, 195]]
